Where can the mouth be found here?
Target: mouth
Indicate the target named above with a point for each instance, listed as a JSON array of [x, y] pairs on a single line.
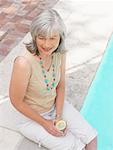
[[46, 50]]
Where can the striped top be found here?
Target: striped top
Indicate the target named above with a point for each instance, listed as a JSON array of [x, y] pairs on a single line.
[[37, 95]]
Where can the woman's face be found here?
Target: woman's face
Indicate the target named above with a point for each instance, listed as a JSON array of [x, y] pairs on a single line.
[[47, 44]]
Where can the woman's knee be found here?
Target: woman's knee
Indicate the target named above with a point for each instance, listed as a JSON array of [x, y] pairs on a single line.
[[93, 141]]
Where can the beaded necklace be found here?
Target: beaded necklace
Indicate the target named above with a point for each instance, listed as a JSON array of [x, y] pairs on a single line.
[[44, 72]]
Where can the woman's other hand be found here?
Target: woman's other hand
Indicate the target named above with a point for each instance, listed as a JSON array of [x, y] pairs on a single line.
[[66, 129], [49, 126]]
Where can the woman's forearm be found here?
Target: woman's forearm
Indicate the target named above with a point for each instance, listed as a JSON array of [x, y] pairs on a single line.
[[25, 109], [59, 101]]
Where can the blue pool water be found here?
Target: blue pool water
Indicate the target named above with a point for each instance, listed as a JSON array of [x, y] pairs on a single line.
[[98, 105]]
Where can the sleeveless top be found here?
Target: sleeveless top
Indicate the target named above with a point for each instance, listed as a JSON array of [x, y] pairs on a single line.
[[37, 96]]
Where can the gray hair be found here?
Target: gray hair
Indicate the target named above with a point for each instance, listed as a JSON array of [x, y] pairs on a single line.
[[45, 23]]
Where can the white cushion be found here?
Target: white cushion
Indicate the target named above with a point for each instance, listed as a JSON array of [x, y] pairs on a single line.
[[9, 116], [10, 138]]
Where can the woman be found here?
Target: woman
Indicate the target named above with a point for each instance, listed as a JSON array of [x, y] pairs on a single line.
[[37, 89]]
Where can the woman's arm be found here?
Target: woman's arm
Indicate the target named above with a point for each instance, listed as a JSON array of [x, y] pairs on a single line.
[[18, 85], [61, 89]]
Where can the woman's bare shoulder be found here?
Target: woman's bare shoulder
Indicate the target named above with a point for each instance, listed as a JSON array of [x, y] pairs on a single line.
[[22, 64], [19, 79]]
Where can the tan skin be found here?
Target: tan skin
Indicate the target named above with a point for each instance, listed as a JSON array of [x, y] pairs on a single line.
[[20, 79]]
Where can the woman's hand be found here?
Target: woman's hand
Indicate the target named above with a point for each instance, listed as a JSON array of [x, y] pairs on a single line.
[[58, 119], [49, 126]]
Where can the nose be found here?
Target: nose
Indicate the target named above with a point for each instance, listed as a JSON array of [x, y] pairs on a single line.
[[47, 44]]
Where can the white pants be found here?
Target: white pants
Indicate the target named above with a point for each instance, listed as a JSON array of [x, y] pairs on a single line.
[[79, 134]]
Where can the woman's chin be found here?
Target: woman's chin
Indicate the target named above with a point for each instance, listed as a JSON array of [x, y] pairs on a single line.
[[47, 52]]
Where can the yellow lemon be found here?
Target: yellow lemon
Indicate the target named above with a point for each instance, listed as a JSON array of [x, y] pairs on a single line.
[[61, 125]]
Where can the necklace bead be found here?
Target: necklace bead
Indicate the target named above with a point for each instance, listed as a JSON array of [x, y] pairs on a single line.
[[44, 72], [48, 88]]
